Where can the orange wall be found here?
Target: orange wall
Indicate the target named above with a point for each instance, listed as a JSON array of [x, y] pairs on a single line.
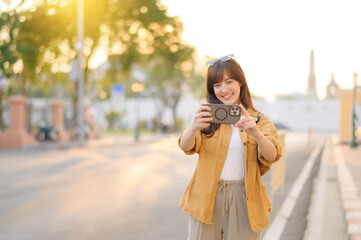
[[346, 98]]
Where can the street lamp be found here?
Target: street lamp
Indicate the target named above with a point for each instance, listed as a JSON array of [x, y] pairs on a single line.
[[3, 86], [137, 88], [353, 142]]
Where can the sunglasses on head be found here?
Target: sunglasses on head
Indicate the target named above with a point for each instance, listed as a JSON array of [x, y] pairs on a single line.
[[223, 59]]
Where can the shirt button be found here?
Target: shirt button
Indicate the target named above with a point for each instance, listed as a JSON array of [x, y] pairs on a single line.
[[244, 143]]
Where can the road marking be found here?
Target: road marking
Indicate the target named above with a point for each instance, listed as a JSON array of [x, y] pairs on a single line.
[[276, 227]]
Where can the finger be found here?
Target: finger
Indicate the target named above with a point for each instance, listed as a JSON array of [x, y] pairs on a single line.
[[244, 120], [240, 125], [203, 109], [204, 114], [202, 117], [244, 111], [206, 106], [250, 120], [248, 126], [204, 126], [240, 122], [207, 120]]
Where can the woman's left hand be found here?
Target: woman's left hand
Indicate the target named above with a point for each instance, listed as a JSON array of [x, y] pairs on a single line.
[[247, 123]]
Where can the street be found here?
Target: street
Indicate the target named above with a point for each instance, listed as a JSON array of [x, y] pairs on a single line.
[[114, 189]]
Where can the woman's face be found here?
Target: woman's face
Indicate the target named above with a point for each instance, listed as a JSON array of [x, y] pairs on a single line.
[[228, 90]]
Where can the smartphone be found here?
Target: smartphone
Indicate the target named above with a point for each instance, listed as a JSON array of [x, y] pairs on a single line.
[[222, 113]]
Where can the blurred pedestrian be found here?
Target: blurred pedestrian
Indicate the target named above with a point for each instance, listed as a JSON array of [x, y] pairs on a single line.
[[226, 197]]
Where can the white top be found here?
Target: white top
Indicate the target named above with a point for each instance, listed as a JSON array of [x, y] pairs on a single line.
[[233, 168]]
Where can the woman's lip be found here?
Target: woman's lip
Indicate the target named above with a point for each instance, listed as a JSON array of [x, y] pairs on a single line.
[[227, 96]]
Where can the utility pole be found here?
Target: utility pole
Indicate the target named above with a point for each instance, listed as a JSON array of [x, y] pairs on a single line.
[[79, 46]]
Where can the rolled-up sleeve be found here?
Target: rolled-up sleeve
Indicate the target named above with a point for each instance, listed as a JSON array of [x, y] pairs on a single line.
[[197, 146], [271, 133]]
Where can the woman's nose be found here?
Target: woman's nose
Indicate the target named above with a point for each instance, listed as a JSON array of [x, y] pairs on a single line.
[[223, 88]]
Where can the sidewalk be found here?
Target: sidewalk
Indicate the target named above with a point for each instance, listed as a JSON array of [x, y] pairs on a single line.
[[349, 177], [335, 210]]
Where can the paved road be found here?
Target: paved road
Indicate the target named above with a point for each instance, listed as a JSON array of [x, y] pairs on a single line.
[[111, 189], [298, 148]]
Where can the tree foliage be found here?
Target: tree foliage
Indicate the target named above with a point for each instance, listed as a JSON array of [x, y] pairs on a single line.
[[41, 39]]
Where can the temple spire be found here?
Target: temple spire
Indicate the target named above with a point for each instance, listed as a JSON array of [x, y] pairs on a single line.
[[311, 86]]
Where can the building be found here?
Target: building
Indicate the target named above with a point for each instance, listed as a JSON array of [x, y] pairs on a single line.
[[332, 89], [311, 83]]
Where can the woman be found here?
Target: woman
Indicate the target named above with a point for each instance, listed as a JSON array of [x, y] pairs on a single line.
[[226, 197]]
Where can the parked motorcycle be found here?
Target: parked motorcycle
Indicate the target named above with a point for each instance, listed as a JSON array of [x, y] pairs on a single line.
[[48, 133]]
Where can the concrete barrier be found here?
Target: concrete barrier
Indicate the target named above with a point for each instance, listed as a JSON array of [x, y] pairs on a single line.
[[279, 169]]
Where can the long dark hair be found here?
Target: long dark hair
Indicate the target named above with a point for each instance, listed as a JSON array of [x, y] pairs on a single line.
[[215, 75]]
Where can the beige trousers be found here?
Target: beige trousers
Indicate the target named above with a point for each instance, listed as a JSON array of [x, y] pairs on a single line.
[[230, 216]]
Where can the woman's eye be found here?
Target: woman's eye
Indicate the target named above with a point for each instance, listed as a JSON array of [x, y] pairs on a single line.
[[216, 85], [229, 82]]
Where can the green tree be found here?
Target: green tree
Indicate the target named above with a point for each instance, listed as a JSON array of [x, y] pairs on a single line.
[[131, 28], [43, 39], [9, 23]]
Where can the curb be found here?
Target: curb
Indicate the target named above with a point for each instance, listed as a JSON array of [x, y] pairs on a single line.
[[350, 200]]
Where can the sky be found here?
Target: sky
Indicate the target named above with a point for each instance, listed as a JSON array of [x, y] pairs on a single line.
[[272, 40]]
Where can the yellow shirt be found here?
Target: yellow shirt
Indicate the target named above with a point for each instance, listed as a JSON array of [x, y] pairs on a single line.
[[199, 197]]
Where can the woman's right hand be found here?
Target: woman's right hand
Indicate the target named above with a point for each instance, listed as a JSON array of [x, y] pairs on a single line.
[[202, 118]]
